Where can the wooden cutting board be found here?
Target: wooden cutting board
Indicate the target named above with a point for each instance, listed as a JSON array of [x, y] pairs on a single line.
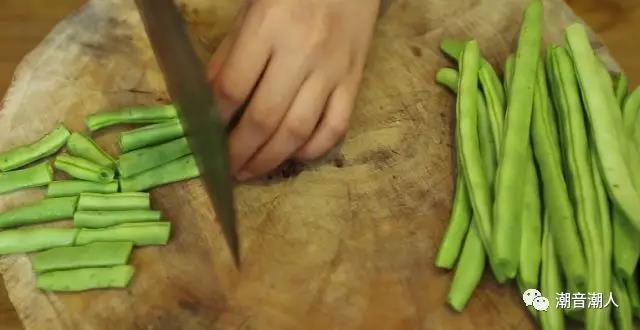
[[348, 242]]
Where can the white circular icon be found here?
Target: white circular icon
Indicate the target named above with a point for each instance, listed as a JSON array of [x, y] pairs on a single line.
[[529, 295], [541, 304]]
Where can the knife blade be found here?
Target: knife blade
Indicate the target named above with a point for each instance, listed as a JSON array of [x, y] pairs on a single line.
[[184, 75]]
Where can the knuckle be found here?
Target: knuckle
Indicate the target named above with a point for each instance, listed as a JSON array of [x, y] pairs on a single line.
[[225, 88], [260, 121], [297, 131], [337, 129]]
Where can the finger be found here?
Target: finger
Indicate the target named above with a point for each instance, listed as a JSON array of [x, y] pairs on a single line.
[[219, 56], [334, 123], [243, 66], [295, 129], [281, 82]]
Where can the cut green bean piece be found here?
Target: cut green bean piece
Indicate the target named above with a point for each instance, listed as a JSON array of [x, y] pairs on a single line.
[[623, 314], [178, 170], [46, 146], [83, 169], [35, 239], [84, 147], [550, 281], [563, 228], [34, 176], [83, 279], [122, 201], [469, 270], [151, 135], [131, 115], [509, 65], [101, 219], [531, 218], [622, 88], [49, 209], [99, 254], [603, 125], [140, 233], [75, 187], [509, 190], [142, 160]]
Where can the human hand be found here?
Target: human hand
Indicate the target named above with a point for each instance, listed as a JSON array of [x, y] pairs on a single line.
[[303, 61]]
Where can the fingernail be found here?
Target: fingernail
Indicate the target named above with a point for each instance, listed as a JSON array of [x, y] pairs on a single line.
[[243, 176]]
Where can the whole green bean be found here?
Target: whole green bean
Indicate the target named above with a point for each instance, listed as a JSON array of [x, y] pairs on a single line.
[[75, 187], [494, 94], [531, 229], [81, 168], [180, 169], [151, 135], [101, 219], [546, 146], [84, 147], [34, 176], [509, 190], [630, 110], [45, 210], [86, 278], [469, 270], [131, 115], [550, 281], [622, 87], [624, 312], [610, 148], [122, 201], [509, 66], [142, 160], [140, 233], [626, 247], [581, 179], [35, 239], [99, 254], [46, 146], [468, 145]]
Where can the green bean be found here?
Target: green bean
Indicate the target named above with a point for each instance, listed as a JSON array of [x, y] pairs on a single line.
[[46, 146], [609, 146], [468, 145], [101, 219], [626, 247], [83, 169], [84, 147], [452, 241], [180, 169], [582, 186], [634, 293], [34, 176], [554, 188], [509, 189], [140, 233], [550, 280], [131, 115], [45, 210], [75, 187], [630, 110], [35, 239], [509, 66], [150, 135], [142, 160], [622, 87], [624, 312], [86, 278], [99, 254], [123, 201], [531, 229], [469, 271], [491, 87]]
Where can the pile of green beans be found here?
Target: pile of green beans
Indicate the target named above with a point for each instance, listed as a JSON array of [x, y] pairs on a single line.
[[110, 212], [548, 185]]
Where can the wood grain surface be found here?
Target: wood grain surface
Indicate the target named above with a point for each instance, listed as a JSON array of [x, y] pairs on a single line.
[[347, 243]]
